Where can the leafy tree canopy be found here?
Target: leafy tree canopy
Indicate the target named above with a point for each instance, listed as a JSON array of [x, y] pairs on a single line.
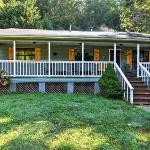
[[20, 14], [120, 15], [135, 16]]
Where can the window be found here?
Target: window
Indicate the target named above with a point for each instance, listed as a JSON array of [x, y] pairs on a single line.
[[118, 56], [88, 55], [25, 54], [144, 56]]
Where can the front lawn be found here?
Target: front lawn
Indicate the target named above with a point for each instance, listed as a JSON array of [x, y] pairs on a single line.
[[70, 122]]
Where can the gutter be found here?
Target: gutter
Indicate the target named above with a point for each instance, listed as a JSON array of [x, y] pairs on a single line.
[[70, 38]]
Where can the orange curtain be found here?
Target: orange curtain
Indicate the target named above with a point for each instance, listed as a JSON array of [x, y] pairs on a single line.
[[10, 52], [129, 57], [71, 54], [38, 54], [96, 54]]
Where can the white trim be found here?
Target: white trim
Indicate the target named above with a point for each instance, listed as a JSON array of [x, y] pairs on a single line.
[[59, 68], [115, 52], [138, 59], [126, 85], [144, 72], [14, 55], [49, 57], [82, 59]]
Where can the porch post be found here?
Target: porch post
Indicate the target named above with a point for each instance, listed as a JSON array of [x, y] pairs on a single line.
[[138, 59], [14, 55], [49, 58], [115, 49], [82, 59]]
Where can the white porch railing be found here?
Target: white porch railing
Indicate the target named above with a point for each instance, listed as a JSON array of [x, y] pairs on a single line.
[[146, 65], [54, 68], [144, 72], [126, 86]]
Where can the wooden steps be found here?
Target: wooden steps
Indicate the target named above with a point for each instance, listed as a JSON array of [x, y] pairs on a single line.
[[141, 91]]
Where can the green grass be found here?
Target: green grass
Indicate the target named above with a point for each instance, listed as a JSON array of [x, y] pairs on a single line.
[[71, 122]]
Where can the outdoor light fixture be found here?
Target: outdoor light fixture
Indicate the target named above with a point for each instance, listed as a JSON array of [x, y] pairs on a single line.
[[91, 28]]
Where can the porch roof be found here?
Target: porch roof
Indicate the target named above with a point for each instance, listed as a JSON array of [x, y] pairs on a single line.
[[59, 35]]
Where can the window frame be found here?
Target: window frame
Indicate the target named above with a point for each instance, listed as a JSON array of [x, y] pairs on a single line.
[[26, 52]]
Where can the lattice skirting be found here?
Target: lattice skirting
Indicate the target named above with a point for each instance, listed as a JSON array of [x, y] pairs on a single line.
[[27, 87], [49, 87], [84, 88], [56, 87], [4, 89]]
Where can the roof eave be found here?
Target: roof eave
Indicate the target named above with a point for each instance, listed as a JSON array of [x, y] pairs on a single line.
[[71, 38]]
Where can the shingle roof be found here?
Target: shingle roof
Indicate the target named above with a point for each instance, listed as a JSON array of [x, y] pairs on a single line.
[[81, 35]]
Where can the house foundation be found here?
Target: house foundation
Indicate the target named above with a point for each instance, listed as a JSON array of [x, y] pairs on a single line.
[[53, 85]]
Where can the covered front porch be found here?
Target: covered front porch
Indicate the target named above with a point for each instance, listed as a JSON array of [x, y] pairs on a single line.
[[69, 59]]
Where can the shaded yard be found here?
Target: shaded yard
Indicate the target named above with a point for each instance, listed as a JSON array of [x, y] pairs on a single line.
[[70, 122]]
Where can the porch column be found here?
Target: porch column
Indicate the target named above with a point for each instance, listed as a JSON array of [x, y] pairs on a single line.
[[115, 49], [14, 55], [138, 59], [82, 59], [49, 58]]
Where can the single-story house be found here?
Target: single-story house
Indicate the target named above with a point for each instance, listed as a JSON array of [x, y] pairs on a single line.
[[56, 61]]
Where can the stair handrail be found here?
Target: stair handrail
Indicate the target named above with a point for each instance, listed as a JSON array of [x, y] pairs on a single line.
[[145, 75], [126, 85]]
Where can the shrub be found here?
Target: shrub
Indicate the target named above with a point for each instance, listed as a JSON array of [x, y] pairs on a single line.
[[110, 85], [4, 80]]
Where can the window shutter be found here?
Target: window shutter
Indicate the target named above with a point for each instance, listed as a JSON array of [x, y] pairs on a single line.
[[38, 54], [96, 54], [129, 57], [71, 54], [10, 51]]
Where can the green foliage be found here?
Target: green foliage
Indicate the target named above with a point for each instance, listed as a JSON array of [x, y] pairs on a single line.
[[98, 13], [1, 4], [135, 16], [76, 122], [20, 14], [59, 14], [46, 23], [110, 85], [120, 15]]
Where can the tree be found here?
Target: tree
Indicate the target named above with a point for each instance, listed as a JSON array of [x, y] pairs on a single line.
[[60, 13], [101, 12], [135, 16], [20, 14], [46, 22], [81, 14], [1, 4]]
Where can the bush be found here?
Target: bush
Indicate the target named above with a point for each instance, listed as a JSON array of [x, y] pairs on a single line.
[[4, 80], [110, 85]]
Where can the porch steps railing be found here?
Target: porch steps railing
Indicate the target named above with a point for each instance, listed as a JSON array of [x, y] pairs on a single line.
[[126, 86], [54, 68], [146, 65], [144, 70]]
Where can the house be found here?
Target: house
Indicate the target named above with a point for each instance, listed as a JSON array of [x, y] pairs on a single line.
[[73, 61]]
